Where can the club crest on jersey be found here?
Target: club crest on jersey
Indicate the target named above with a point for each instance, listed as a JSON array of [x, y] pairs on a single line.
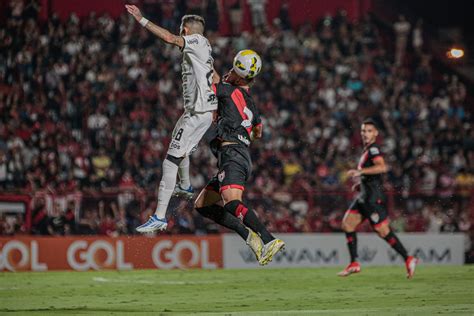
[[221, 176], [374, 151], [375, 217]]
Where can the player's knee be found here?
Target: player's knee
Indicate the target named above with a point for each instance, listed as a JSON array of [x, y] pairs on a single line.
[[382, 231], [347, 227], [344, 226], [173, 159], [199, 202]]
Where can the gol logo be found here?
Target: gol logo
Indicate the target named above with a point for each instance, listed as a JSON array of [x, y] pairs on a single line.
[[16, 255], [183, 254], [98, 255]]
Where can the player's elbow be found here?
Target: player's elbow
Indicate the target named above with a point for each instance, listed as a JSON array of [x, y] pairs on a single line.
[[169, 38]]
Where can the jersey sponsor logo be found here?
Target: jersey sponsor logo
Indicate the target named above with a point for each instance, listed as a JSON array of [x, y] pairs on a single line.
[[175, 145], [243, 140], [192, 41], [374, 151]]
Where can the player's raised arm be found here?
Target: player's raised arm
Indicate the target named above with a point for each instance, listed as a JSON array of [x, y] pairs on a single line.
[[160, 32]]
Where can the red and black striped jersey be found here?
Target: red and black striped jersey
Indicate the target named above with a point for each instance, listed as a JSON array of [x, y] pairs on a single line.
[[236, 114], [371, 185]]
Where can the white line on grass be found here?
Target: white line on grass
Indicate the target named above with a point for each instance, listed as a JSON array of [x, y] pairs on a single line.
[[165, 282], [104, 280], [463, 309], [9, 288]]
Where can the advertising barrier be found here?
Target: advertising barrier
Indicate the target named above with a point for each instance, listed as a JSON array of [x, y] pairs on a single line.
[[220, 251], [95, 253], [317, 250]]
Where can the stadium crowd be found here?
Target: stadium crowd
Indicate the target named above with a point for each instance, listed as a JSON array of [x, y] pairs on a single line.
[[88, 106]]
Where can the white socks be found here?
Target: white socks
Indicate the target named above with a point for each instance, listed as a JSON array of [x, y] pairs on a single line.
[[183, 173], [167, 184]]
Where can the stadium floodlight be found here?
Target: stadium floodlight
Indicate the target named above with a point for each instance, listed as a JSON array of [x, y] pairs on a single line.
[[455, 53]]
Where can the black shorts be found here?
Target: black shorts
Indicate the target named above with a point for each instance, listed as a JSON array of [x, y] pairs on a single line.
[[375, 211], [235, 167]]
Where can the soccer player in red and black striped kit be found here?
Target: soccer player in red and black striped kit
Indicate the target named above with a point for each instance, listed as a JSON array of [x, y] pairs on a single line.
[[238, 124], [371, 202]]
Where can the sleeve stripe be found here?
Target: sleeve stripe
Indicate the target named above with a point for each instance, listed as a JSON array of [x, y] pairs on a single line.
[[184, 44], [377, 157]]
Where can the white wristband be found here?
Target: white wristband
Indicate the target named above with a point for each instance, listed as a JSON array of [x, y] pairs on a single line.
[[143, 21]]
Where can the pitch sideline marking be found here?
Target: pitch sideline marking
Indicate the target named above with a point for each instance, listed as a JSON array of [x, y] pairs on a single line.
[[170, 282], [365, 311]]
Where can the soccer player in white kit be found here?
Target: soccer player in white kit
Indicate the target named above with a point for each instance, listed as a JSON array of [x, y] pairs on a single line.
[[199, 103]]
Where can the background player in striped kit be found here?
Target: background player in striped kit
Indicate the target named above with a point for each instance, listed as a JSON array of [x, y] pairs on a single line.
[[371, 202]]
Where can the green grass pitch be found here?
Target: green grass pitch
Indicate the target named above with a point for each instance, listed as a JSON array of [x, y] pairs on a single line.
[[447, 290]]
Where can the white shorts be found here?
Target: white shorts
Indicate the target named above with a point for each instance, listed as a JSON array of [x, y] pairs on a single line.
[[187, 133]]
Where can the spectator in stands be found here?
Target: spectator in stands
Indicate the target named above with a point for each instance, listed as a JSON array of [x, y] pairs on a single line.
[[259, 16], [449, 223], [57, 222], [88, 223], [417, 37], [402, 30], [40, 218], [107, 226], [3, 170], [234, 8]]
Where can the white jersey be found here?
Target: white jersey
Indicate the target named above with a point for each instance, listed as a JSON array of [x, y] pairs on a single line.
[[197, 69]]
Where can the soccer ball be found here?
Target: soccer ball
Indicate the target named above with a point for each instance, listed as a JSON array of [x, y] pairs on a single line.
[[247, 64]]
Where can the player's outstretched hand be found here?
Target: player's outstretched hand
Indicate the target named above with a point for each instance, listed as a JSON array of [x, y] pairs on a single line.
[[353, 173], [134, 11]]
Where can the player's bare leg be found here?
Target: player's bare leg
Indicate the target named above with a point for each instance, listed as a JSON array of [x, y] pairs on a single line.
[[233, 204], [384, 231], [350, 222], [208, 197], [210, 205]]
